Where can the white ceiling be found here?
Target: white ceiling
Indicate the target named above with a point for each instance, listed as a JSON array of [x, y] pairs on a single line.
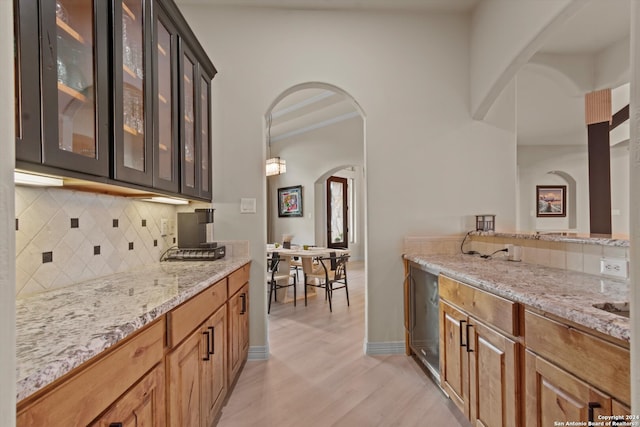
[[598, 25]]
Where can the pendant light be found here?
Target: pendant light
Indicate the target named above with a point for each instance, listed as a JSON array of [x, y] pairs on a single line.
[[274, 165]]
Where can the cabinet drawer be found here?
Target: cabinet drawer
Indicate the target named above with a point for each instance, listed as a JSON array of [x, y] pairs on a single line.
[[81, 398], [188, 316], [490, 308], [598, 362], [238, 278]]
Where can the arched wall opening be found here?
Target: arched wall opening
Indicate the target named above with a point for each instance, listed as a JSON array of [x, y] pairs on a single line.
[[318, 129]]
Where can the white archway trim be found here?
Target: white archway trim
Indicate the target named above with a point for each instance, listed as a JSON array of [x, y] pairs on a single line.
[[314, 85]]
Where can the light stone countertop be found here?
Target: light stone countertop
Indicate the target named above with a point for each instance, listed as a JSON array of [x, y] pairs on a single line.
[[56, 331], [621, 241], [563, 293]]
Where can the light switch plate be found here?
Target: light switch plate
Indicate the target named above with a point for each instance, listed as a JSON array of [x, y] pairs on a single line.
[[616, 267], [247, 205]]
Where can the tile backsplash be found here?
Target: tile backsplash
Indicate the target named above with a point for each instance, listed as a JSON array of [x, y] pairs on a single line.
[[64, 236]]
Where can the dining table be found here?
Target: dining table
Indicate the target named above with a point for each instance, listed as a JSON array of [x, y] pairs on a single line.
[[307, 255]]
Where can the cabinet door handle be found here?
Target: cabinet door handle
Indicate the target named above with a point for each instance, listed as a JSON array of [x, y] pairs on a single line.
[[213, 339], [469, 349], [592, 406], [206, 356], [115, 425], [243, 309], [460, 322]]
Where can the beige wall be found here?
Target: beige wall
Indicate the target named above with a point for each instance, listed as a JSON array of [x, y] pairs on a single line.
[[429, 167]]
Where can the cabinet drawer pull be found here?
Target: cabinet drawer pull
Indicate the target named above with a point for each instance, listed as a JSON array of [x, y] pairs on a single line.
[[592, 406], [462, 344], [115, 425], [206, 357], [213, 339], [243, 310], [469, 349]]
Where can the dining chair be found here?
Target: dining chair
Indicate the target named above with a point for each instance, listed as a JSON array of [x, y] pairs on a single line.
[[296, 265], [280, 269], [331, 271]]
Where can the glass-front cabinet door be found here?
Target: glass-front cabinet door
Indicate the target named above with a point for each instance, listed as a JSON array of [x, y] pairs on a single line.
[[27, 74], [75, 85], [205, 137], [165, 90], [188, 103], [132, 92]]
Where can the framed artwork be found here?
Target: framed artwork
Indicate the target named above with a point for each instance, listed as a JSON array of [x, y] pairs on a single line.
[[290, 201], [551, 200]]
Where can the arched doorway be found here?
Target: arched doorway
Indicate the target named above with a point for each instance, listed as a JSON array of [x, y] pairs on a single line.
[[319, 131]]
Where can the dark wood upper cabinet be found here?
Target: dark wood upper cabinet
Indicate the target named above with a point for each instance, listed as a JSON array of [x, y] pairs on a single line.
[[122, 97], [27, 66], [75, 89], [165, 121], [195, 132], [132, 93]]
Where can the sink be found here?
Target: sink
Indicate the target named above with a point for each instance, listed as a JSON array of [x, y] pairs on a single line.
[[619, 308]]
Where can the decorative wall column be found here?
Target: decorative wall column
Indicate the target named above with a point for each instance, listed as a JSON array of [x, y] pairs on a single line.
[[597, 107]]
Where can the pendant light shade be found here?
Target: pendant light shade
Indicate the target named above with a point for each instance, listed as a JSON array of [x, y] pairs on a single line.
[[276, 166]]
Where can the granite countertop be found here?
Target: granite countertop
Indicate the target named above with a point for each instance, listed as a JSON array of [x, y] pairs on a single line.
[[563, 293], [563, 237], [58, 330]]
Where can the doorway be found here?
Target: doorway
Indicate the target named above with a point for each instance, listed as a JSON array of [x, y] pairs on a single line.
[[337, 213]]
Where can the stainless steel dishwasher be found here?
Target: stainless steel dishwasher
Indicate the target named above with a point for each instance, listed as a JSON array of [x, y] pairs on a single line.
[[424, 319]]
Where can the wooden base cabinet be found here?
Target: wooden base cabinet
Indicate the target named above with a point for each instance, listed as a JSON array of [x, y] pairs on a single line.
[[238, 320], [196, 374], [555, 395], [85, 395], [238, 331], [142, 406], [454, 362], [479, 369], [504, 364], [479, 366], [493, 374], [571, 374], [174, 372]]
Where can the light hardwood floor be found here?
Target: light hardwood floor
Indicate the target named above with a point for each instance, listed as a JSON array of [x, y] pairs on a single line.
[[318, 374]]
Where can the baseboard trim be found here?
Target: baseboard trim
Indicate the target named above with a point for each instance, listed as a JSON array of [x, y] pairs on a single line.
[[391, 347], [258, 352]]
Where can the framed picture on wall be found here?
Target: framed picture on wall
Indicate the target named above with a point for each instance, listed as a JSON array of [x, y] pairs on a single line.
[[290, 201], [551, 200]]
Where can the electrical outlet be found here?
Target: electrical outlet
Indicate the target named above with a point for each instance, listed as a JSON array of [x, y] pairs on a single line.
[[617, 267]]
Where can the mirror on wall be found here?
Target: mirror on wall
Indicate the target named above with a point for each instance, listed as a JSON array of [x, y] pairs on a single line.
[[550, 125]]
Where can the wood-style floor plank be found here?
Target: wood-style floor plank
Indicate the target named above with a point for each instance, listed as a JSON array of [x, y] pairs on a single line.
[[318, 375]]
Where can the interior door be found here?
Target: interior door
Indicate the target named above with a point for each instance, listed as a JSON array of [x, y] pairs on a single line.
[[337, 213]]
